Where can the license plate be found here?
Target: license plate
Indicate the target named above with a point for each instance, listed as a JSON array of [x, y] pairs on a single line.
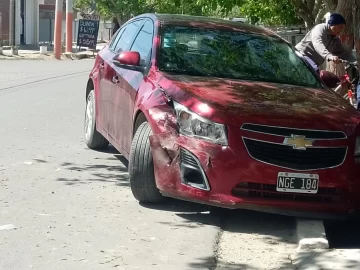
[[297, 183]]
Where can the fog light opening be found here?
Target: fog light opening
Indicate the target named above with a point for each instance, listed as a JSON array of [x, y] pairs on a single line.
[[191, 171]]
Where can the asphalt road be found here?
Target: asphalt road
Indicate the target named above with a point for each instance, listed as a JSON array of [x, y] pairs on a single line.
[[63, 206], [71, 207]]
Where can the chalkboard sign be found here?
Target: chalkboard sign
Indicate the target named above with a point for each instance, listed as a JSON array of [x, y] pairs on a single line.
[[87, 33]]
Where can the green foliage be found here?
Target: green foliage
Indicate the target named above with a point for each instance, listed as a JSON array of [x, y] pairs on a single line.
[[269, 12], [189, 7], [118, 8], [123, 8]]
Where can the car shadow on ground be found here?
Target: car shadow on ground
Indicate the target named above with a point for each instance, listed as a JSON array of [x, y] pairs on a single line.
[[194, 215], [272, 228], [343, 234], [210, 263], [100, 171]]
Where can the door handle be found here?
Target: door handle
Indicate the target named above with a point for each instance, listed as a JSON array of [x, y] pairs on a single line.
[[102, 65], [115, 79]]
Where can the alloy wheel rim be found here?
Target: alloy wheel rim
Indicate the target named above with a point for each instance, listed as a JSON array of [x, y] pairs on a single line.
[[89, 118]]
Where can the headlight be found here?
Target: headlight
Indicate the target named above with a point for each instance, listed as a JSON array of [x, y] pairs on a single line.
[[191, 124], [357, 146]]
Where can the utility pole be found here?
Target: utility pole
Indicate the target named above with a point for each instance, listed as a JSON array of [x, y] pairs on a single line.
[[69, 25], [58, 30]]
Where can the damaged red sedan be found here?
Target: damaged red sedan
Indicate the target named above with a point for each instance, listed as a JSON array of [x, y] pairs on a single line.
[[225, 114]]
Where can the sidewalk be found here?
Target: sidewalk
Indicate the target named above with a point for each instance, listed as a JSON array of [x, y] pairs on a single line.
[[35, 54], [327, 259], [260, 241]]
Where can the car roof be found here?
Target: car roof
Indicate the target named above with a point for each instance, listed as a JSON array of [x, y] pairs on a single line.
[[207, 22]]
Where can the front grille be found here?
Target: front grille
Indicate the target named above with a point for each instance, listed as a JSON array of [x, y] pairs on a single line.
[[268, 191], [288, 132], [287, 157]]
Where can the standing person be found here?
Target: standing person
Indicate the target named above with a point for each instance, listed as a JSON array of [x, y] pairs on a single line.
[[322, 43]]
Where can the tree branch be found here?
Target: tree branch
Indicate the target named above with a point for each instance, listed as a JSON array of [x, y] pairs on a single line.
[[331, 4], [299, 4], [321, 13], [308, 19], [311, 4], [318, 5], [304, 13]]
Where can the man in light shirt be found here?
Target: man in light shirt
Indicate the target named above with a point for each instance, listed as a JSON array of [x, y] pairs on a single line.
[[322, 43]]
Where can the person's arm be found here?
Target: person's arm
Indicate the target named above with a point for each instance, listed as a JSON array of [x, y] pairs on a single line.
[[318, 36], [342, 52]]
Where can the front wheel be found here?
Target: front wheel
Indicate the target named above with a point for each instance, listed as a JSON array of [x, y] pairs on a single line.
[[93, 139], [141, 167]]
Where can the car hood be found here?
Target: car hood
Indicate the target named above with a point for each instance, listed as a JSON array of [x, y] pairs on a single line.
[[235, 102]]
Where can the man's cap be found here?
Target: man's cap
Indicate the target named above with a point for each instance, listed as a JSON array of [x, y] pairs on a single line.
[[336, 19]]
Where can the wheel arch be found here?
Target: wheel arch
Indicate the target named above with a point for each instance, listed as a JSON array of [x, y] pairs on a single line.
[[89, 86], [139, 118]]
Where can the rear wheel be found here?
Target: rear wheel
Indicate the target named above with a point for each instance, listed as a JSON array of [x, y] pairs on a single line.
[[141, 167], [93, 139]]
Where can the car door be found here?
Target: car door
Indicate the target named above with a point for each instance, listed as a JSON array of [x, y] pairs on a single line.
[[129, 83], [106, 73], [124, 44]]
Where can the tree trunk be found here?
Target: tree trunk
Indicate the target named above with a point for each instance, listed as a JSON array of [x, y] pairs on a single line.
[[122, 19], [345, 8], [331, 4], [118, 21], [356, 15], [307, 11], [116, 25]]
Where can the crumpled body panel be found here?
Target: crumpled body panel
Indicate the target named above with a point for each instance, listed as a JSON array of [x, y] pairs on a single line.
[[224, 168]]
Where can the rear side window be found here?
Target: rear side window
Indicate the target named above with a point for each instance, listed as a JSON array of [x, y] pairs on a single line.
[[143, 43], [128, 36]]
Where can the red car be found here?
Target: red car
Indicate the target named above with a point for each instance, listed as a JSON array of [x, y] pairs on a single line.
[[223, 113]]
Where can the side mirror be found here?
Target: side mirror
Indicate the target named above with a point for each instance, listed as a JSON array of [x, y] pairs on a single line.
[[128, 60]]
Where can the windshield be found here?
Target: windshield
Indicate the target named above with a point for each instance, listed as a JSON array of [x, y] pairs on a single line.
[[233, 55]]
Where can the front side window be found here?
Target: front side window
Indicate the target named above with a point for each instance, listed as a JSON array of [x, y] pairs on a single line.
[[233, 55], [143, 42], [115, 40], [128, 36]]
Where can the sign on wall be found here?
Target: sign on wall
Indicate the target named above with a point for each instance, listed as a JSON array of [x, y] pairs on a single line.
[[93, 17]]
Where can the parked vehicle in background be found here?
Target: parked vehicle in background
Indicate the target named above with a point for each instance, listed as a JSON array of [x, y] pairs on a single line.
[[223, 113]]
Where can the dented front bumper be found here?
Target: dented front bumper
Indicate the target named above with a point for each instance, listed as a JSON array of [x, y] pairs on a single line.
[[196, 170]]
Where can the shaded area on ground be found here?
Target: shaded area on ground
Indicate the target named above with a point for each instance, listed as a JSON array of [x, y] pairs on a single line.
[[117, 174], [273, 233], [210, 263], [327, 260]]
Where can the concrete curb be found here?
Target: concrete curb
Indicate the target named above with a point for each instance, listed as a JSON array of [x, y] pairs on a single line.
[[311, 235], [79, 56]]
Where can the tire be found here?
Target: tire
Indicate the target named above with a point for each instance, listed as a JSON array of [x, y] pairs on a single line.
[[141, 167], [93, 139]]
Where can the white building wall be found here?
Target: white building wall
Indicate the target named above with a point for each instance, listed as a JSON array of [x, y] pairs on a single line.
[[17, 22], [29, 21], [32, 22]]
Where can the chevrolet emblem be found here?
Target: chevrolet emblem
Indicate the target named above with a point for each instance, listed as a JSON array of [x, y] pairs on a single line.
[[298, 142]]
